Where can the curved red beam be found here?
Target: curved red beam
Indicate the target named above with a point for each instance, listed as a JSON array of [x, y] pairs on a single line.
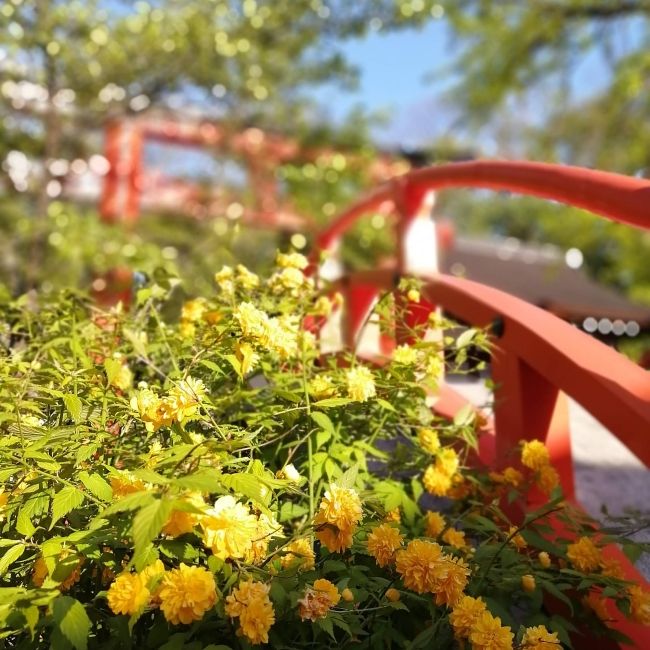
[[617, 197]]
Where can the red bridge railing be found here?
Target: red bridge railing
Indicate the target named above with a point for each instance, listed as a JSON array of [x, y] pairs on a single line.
[[538, 359]]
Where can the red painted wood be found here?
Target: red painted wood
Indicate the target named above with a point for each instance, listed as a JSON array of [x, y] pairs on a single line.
[[108, 208]]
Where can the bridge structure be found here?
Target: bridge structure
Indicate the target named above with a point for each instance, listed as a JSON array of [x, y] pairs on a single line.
[[538, 360]]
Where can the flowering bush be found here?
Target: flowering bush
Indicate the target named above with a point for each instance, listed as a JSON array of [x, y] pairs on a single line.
[[198, 476]]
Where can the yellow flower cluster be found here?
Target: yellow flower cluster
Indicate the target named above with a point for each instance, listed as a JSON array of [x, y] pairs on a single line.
[[186, 594], [124, 483], [181, 522], [227, 279], [424, 568], [487, 633], [539, 638], [321, 387], [360, 384], [383, 541], [318, 600], [640, 604], [405, 355], [229, 529], [291, 261], [192, 312], [465, 614], [584, 555], [338, 516], [438, 477], [535, 456], [280, 335], [182, 402], [429, 441], [250, 603], [299, 554]]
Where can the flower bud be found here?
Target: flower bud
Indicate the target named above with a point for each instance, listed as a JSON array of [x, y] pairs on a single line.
[[528, 583], [347, 595], [544, 559], [393, 595]]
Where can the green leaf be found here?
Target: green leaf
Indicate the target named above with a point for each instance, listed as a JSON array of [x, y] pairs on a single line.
[[72, 621], [323, 422], [148, 523], [386, 405], [73, 406], [65, 501], [249, 486], [96, 485], [331, 402], [10, 557], [554, 591], [130, 502], [205, 481]]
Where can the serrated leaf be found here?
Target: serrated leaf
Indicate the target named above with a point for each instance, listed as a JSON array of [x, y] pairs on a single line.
[[323, 422], [148, 523], [248, 485], [96, 485], [129, 502], [10, 557], [72, 621], [386, 405], [65, 501], [332, 402], [73, 406], [205, 481]]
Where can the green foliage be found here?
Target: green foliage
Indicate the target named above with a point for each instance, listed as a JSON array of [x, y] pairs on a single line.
[[121, 429]]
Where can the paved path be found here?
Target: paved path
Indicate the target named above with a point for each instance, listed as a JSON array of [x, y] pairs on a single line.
[[605, 471]]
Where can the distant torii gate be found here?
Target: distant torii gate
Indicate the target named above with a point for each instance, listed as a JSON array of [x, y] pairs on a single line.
[[259, 152]]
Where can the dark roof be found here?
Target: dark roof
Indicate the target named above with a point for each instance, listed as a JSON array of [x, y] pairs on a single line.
[[540, 275]]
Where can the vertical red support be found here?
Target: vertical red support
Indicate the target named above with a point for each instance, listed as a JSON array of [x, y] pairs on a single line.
[[134, 177], [528, 406], [108, 207]]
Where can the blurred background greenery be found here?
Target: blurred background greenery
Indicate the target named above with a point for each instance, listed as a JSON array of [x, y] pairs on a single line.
[[69, 67]]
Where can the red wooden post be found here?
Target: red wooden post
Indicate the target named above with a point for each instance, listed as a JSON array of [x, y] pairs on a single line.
[[134, 175], [108, 207], [529, 406]]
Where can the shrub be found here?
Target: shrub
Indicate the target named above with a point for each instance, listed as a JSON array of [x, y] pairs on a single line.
[[199, 476]]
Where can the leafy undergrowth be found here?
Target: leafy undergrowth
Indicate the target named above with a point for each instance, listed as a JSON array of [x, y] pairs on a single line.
[[202, 478]]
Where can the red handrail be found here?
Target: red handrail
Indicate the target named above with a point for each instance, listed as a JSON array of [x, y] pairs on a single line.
[[621, 198]]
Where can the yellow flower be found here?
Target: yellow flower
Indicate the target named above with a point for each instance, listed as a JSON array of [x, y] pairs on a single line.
[[228, 528], [447, 461], [487, 633], [534, 455], [153, 411], [611, 568], [254, 323], [184, 398], [513, 477], [517, 541], [127, 595], [544, 559], [290, 473], [246, 278], [318, 600], [125, 483], [323, 306], [267, 527], [299, 553], [337, 518], [465, 614], [640, 605], [251, 604], [360, 384], [382, 543], [436, 482], [123, 378], [405, 355], [291, 261], [547, 479], [224, 279], [584, 555], [321, 387], [451, 581], [420, 565], [435, 524], [291, 280], [455, 538], [429, 440], [193, 310], [181, 522], [528, 583], [413, 295], [393, 595], [393, 516], [186, 594], [539, 638]]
